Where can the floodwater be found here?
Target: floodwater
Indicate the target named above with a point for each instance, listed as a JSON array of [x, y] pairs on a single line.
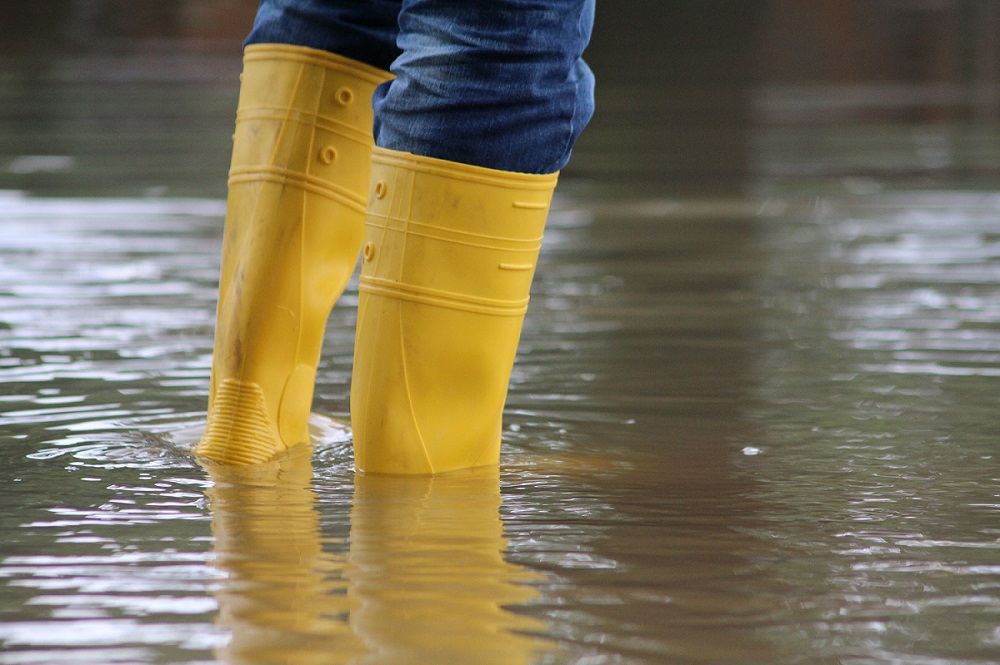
[[743, 428]]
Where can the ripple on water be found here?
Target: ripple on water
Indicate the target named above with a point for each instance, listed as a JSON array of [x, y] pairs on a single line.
[[106, 309]]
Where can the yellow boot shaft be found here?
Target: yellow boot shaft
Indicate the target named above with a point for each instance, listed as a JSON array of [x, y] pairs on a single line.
[[294, 224], [448, 258]]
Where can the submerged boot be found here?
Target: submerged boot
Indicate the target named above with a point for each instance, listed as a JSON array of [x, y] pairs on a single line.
[[448, 258], [295, 219]]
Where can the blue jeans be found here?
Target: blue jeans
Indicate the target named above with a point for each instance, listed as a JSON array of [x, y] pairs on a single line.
[[494, 83]]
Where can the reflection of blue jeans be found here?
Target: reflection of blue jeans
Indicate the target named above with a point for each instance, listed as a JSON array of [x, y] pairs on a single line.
[[494, 83]]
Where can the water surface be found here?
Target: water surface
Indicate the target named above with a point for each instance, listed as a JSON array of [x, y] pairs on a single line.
[[739, 430]]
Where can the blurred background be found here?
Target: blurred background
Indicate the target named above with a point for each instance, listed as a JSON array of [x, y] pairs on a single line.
[[695, 97]]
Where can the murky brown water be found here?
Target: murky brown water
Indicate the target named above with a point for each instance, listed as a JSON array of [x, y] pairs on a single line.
[[742, 429]]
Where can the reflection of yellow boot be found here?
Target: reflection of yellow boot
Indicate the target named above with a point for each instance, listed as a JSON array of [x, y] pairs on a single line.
[[428, 578], [294, 224], [284, 599], [449, 255]]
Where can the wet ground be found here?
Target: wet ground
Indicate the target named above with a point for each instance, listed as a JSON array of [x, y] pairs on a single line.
[[753, 418]]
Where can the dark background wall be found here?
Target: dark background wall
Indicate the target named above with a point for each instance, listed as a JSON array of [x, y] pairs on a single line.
[[684, 86]]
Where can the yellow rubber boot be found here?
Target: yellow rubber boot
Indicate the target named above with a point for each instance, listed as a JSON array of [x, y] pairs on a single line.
[[295, 219], [448, 259]]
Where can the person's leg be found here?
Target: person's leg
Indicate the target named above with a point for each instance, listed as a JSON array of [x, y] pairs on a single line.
[[488, 101], [362, 30], [301, 160], [499, 84]]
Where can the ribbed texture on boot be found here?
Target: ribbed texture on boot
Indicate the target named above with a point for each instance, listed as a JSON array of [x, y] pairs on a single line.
[[239, 430]]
